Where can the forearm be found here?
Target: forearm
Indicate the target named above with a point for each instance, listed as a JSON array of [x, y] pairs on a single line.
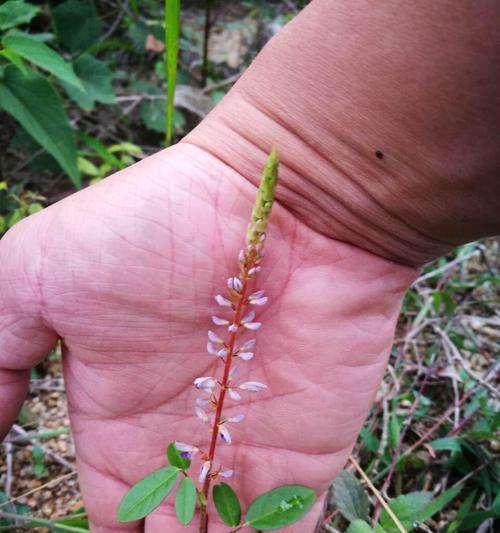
[[386, 116]]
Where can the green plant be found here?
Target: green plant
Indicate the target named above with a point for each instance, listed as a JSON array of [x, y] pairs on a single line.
[[274, 509], [30, 69], [172, 29]]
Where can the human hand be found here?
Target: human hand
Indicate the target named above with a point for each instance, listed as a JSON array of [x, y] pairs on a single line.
[[125, 273]]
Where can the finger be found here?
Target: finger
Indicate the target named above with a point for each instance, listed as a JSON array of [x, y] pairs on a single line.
[[24, 336]]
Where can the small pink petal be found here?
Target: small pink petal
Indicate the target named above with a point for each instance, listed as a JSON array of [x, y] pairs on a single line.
[[218, 321], [248, 345], [205, 383], [248, 317], [214, 337], [252, 325], [246, 356], [200, 413], [253, 386], [258, 301], [224, 434], [223, 352], [202, 401], [233, 328], [224, 302], [204, 470], [183, 447], [211, 349], [236, 419], [226, 473], [233, 394]]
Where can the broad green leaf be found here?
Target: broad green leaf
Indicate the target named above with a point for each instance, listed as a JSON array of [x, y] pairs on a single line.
[[185, 501], [15, 59], [350, 497], [147, 494], [408, 508], [76, 24], [441, 501], [359, 526], [175, 458], [280, 507], [16, 12], [172, 29], [227, 504], [96, 78], [34, 103], [42, 56]]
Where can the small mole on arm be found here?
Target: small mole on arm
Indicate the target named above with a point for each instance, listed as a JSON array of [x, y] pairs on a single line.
[[379, 154]]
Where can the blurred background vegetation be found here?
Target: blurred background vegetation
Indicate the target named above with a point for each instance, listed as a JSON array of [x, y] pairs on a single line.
[[82, 94]]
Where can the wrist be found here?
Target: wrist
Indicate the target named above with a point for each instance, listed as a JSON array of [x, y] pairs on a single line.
[[380, 147]]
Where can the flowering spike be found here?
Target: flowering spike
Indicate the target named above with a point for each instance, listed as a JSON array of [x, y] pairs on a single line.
[[265, 199], [240, 296]]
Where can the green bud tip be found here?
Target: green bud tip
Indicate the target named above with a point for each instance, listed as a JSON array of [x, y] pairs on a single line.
[[265, 198]]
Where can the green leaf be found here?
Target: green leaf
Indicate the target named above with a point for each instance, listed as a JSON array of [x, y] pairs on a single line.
[[369, 440], [408, 508], [96, 78], [147, 494], [33, 102], [394, 431], [76, 24], [350, 497], [16, 12], [227, 504], [441, 501], [185, 501], [462, 512], [280, 507], [172, 28], [15, 59], [453, 444], [359, 526], [175, 458], [42, 56]]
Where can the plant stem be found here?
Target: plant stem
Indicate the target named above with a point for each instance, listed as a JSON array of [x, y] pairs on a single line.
[[238, 313], [206, 38]]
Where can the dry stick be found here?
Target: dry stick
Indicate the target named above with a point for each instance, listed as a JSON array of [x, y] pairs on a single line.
[[32, 491], [9, 464], [377, 495], [206, 38]]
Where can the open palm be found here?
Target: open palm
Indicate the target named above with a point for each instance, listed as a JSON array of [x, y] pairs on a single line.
[[126, 271]]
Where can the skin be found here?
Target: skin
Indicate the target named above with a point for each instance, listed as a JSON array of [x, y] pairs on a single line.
[[126, 270]]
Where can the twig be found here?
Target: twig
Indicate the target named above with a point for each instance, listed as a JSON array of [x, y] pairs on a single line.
[[206, 38], [458, 356], [9, 465], [32, 491], [377, 495], [24, 435], [448, 266], [40, 522]]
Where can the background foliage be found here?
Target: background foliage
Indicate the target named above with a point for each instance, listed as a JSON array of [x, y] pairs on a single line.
[[82, 94]]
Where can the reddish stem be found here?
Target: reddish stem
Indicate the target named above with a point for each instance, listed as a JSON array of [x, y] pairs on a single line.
[[238, 312]]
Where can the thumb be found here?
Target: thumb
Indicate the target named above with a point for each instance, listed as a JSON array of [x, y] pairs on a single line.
[[24, 336]]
